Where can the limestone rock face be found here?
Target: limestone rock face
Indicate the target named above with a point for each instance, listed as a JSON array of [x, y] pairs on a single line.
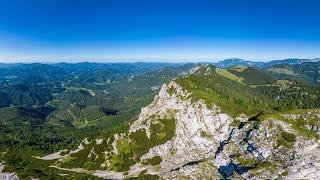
[[199, 130], [206, 144], [7, 176], [306, 165]]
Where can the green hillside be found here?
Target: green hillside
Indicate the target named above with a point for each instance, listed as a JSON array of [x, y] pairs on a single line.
[[236, 98]]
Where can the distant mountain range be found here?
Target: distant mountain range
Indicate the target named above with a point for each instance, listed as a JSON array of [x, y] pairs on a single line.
[[142, 66], [236, 61]]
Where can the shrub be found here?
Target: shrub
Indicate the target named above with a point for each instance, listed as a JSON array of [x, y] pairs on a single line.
[[286, 139], [156, 160]]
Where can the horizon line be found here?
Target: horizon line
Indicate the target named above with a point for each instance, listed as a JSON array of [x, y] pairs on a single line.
[[132, 61]]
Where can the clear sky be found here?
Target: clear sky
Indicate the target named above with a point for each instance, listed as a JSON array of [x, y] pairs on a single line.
[[154, 30]]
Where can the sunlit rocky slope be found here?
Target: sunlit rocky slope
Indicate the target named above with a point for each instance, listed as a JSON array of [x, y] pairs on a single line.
[[194, 132]]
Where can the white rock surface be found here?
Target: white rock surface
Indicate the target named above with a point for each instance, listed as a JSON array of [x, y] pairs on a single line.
[[192, 120], [306, 165], [7, 176], [99, 141], [57, 155]]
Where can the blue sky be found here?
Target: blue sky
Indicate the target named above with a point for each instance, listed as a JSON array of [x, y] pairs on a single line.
[[154, 30]]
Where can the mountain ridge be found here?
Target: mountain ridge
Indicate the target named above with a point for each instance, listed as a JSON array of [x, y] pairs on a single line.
[[227, 63], [207, 141]]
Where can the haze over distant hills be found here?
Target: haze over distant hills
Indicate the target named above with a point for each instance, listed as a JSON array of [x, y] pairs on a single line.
[[236, 61], [226, 62]]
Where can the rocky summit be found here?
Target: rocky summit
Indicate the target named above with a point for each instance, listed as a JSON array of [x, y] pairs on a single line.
[[211, 144]]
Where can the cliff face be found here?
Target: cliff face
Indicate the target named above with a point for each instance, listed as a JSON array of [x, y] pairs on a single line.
[[208, 143], [198, 131]]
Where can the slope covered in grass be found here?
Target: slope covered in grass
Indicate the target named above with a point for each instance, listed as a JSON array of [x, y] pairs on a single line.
[[229, 75], [236, 98], [233, 98]]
